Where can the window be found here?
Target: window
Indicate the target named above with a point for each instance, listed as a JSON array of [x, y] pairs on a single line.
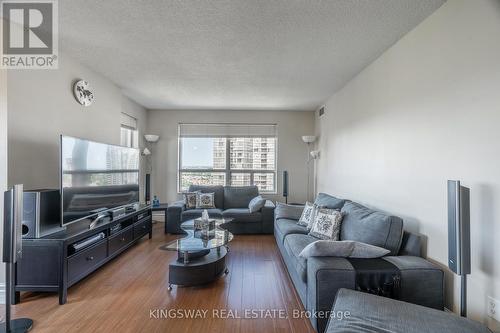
[[129, 135], [227, 154]]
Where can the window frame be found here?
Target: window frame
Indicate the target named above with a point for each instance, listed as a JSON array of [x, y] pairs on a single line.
[[228, 171], [132, 139]]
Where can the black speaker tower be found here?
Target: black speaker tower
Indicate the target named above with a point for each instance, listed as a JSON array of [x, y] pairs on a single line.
[[285, 185], [147, 189], [12, 251], [459, 236]]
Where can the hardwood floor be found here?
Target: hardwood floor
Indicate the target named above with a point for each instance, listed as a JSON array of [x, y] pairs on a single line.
[[123, 295]]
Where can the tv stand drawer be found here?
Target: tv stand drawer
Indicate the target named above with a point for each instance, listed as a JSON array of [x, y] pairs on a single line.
[[84, 262], [120, 240], [142, 228]]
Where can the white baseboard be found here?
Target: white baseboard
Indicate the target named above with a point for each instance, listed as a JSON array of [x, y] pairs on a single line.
[[2, 293]]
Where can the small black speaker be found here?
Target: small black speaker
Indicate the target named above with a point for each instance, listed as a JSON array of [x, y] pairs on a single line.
[[147, 189], [458, 228], [41, 213], [285, 185]]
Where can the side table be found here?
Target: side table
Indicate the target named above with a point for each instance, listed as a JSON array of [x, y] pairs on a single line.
[[162, 207]]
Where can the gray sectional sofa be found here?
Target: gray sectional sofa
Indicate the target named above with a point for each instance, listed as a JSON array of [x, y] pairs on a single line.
[[317, 279], [230, 202]]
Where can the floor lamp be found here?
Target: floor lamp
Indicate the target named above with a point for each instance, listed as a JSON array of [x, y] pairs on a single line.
[[309, 140], [314, 155], [146, 152]]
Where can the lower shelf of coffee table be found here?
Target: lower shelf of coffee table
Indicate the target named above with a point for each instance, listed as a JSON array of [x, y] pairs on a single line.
[[200, 270]]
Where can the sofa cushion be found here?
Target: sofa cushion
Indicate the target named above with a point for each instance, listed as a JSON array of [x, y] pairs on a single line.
[[329, 201], [218, 190], [369, 226], [195, 213], [239, 196], [286, 227], [242, 215], [294, 244]]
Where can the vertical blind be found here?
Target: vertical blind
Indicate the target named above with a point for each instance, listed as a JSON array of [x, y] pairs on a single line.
[[227, 130]]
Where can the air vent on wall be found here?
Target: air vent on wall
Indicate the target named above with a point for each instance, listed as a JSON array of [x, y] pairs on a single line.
[[321, 111]]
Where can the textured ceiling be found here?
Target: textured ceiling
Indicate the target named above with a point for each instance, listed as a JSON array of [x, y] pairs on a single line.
[[234, 54]]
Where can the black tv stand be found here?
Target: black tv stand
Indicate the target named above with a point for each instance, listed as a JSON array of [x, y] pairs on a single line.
[[54, 263]]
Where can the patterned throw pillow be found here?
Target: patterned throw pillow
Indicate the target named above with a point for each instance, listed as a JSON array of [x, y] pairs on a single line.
[[326, 224], [307, 217], [190, 199], [205, 200]]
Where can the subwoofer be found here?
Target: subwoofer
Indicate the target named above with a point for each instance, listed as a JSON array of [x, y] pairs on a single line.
[[41, 213]]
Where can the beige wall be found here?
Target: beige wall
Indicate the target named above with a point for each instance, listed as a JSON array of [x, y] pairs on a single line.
[[292, 152], [426, 111], [42, 106]]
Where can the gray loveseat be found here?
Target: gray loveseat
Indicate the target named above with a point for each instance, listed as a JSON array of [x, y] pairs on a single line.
[[230, 202], [318, 279]]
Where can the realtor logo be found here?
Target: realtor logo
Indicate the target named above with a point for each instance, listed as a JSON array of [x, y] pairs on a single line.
[[29, 34]]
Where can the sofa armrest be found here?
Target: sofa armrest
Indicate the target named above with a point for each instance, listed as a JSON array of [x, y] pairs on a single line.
[[174, 212], [325, 276], [285, 211], [394, 316], [268, 217], [411, 245], [422, 282]]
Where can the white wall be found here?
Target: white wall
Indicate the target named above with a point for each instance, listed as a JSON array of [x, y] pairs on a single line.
[[3, 165], [426, 111], [42, 106], [292, 152]]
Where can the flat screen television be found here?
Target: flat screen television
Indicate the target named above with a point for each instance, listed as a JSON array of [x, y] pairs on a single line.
[[95, 177]]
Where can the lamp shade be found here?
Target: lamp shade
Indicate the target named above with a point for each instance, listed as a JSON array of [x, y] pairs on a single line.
[[314, 154], [146, 152], [308, 138], [151, 137]]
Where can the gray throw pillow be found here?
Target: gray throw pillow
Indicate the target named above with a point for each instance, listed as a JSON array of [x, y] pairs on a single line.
[[342, 249], [256, 204], [205, 200], [286, 211], [326, 224]]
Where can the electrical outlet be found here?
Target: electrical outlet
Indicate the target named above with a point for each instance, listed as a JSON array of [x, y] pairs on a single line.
[[494, 308]]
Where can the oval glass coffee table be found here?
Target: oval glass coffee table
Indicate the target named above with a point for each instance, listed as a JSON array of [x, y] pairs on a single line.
[[201, 258]]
